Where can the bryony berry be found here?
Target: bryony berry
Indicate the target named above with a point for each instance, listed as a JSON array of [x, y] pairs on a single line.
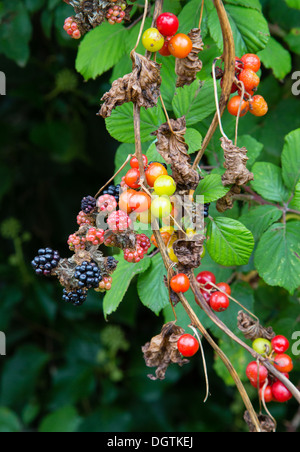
[[187, 345], [256, 373], [262, 346], [234, 106], [251, 61], [164, 185], [153, 40], [280, 392], [167, 24], [280, 344], [258, 106], [161, 207], [283, 362], [180, 283], [180, 45], [219, 302]]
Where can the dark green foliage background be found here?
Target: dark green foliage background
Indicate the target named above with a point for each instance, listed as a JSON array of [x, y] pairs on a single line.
[[68, 369]]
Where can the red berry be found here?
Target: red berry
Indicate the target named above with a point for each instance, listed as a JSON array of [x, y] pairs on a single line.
[[280, 392], [134, 163], [206, 277], [95, 236], [82, 218], [219, 302], [224, 287], [153, 171], [124, 200], [267, 394], [250, 80], [234, 105], [164, 51], [107, 203], [132, 178], [251, 61], [258, 106], [283, 363], [167, 24], [119, 221], [180, 283], [139, 202], [280, 344], [187, 345], [180, 45], [76, 242], [71, 27], [256, 373]]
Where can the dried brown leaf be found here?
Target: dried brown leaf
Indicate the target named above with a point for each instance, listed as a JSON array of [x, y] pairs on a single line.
[[187, 68], [141, 86], [267, 424], [172, 147], [226, 202], [188, 252], [162, 350], [235, 164], [252, 329]]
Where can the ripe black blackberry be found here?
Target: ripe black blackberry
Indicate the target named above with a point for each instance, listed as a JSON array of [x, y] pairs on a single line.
[[113, 190], [88, 204], [206, 209], [88, 275], [76, 296], [46, 261]]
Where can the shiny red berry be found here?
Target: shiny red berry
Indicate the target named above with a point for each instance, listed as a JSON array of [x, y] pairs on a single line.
[[283, 363], [187, 345], [280, 344], [205, 278], [219, 302], [256, 373], [167, 24], [180, 283], [280, 392], [251, 61]]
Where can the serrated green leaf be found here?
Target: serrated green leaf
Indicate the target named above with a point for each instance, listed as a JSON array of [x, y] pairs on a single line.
[[293, 3], [254, 4], [277, 58], [290, 159], [123, 276], [295, 203], [229, 242], [120, 123], [249, 27], [193, 138], [196, 101], [293, 40], [212, 188], [277, 257], [100, 50], [154, 278], [268, 182], [259, 219], [64, 420]]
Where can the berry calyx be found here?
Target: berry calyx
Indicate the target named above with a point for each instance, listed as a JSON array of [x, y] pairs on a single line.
[[167, 24], [283, 362], [152, 40], [280, 392], [219, 302], [153, 171], [280, 344], [258, 106], [132, 178], [164, 185], [46, 261], [187, 345], [180, 45], [251, 61], [262, 346], [256, 373], [180, 283], [119, 221], [107, 203], [234, 105], [88, 275]]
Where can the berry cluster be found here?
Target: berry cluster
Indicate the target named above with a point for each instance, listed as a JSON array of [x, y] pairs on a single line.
[[105, 284], [88, 275], [246, 74], [76, 242], [71, 28], [46, 261], [76, 297], [119, 221], [270, 388], [216, 295], [107, 203], [116, 14], [95, 236], [163, 38], [206, 209], [83, 218], [88, 204], [142, 246], [113, 190]]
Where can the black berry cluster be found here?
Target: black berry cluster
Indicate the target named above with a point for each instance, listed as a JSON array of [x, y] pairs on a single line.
[[113, 190], [75, 297], [88, 275], [46, 261], [88, 204], [206, 209]]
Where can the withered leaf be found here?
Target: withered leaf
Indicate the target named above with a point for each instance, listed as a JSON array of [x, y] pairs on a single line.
[[172, 147], [187, 68], [226, 202], [252, 329], [141, 86], [162, 350], [235, 164], [188, 252], [267, 424]]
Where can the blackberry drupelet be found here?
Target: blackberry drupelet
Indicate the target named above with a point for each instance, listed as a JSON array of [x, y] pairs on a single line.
[[113, 190], [206, 209], [88, 275], [46, 261], [88, 204], [76, 296]]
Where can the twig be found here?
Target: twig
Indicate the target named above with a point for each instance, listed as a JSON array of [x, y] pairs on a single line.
[[204, 362], [112, 178], [141, 27], [201, 15]]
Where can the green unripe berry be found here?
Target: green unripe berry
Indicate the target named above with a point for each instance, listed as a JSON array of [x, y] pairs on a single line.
[[262, 346]]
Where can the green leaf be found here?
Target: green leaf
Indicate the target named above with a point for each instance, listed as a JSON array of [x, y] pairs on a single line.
[[212, 188], [120, 123], [259, 219], [293, 3], [193, 139], [277, 58], [268, 182], [123, 276], [249, 27], [229, 242], [293, 40], [100, 50], [196, 101], [154, 278], [9, 422], [277, 257], [254, 4], [64, 420], [290, 159], [295, 203], [189, 17]]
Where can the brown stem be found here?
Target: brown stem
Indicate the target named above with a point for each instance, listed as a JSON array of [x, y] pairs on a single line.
[[229, 73], [137, 139]]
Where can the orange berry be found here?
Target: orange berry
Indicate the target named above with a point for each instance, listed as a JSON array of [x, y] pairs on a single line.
[[258, 106], [234, 105], [250, 80]]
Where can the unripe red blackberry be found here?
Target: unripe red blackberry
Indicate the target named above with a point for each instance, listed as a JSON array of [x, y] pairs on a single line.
[[119, 221], [76, 242], [82, 218], [107, 203], [95, 236], [71, 27]]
